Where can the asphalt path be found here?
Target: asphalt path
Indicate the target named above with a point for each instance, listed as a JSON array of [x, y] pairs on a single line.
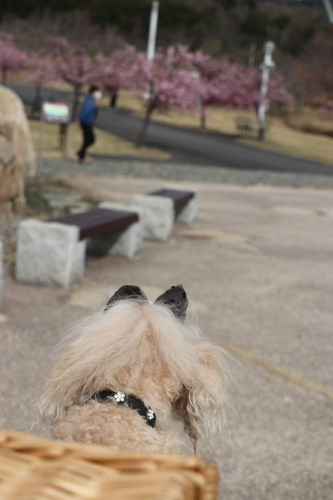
[[189, 146]]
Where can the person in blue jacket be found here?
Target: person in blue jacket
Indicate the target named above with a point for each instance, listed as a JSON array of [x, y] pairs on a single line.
[[87, 116]]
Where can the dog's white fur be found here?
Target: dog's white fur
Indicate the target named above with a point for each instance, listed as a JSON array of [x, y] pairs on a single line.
[[139, 348]]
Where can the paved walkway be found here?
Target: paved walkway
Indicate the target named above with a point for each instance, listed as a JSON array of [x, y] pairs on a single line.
[[258, 266]]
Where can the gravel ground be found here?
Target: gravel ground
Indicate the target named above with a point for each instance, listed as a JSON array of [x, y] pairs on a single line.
[[258, 265], [182, 172]]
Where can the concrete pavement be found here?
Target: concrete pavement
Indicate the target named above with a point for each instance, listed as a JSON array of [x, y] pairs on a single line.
[[258, 266]]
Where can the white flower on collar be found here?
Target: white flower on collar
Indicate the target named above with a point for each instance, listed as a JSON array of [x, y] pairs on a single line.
[[119, 397], [150, 414]]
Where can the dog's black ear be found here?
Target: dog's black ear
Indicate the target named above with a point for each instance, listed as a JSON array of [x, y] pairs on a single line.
[[176, 299], [124, 293]]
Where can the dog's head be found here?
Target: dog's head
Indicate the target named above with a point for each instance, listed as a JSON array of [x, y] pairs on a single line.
[[175, 298], [145, 348]]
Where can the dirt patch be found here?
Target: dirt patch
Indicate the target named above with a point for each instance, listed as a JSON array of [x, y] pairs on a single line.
[[215, 236], [313, 123]]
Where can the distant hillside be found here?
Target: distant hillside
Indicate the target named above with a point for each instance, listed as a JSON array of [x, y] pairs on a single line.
[[217, 27], [236, 29]]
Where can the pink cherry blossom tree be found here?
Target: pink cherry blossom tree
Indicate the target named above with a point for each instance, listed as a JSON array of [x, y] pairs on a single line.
[[40, 69], [117, 68], [233, 85], [11, 58], [277, 89], [162, 83], [214, 82], [190, 80], [74, 66]]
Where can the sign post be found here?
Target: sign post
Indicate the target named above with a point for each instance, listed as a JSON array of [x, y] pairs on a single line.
[[55, 112]]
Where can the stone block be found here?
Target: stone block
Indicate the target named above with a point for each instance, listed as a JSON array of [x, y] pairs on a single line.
[[188, 213], [49, 253], [17, 157], [159, 215], [1, 271], [126, 242]]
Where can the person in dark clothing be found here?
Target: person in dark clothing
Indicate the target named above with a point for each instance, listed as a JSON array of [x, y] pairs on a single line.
[[113, 91], [87, 116]]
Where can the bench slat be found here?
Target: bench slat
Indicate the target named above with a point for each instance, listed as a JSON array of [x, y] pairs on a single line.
[[179, 198], [98, 221]]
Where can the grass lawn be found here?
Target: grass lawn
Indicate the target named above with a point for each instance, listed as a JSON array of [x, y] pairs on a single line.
[[281, 138], [106, 144], [284, 140]]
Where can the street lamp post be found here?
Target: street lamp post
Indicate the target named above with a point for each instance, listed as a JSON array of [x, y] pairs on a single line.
[[266, 66], [152, 31]]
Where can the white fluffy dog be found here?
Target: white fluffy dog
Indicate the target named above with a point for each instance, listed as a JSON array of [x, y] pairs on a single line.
[[125, 373]]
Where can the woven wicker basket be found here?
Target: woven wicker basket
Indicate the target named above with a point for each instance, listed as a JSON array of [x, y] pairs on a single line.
[[33, 468]]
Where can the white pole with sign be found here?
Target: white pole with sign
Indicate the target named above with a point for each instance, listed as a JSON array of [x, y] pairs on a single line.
[[266, 66], [152, 31]]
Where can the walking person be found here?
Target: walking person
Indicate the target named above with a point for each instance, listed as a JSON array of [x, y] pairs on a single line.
[[87, 117]]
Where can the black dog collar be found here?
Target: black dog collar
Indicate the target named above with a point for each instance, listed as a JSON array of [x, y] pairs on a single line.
[[129, 400]]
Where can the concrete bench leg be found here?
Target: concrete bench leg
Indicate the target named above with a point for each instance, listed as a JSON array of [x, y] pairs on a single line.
[[49, 253], [188, 213], [127, 242], [1, 273], [158, 215]]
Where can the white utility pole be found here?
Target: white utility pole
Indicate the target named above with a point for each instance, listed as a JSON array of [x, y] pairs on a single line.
[[266, 66], [329, 10], [152, 31]]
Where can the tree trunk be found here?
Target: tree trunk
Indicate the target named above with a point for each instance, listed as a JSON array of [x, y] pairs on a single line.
[[36, 106], [261, 133], [38, 90], [203, 120], [4, 76], [77, 89], [142, 134]]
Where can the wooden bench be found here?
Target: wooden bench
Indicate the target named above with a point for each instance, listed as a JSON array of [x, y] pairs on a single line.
[[53, 252], [98, 222], [164, 207], [248, 127], [180, 198]]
